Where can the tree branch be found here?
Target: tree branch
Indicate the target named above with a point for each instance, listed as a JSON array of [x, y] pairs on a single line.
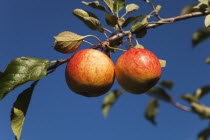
[[126, 33], [161, 22], [57, 64], [179, 106], [178, 18]]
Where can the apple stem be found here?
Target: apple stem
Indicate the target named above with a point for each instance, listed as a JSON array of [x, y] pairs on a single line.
[[116, 48], [135, 40], [52, 68], [130, 40]]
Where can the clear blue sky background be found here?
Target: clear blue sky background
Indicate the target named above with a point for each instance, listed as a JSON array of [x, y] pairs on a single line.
[[27, 28]]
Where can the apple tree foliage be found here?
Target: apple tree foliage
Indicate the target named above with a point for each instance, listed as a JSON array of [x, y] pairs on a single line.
[[26, 69]]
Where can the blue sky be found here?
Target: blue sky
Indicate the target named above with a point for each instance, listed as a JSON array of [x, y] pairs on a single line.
[[27, 28]]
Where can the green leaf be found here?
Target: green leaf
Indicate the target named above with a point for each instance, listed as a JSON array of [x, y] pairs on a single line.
[[1, 73], [20, 71], [200, 92], [110, 4], [200, 35], [189, 98], [204, 134], [109, 100], [207, 20], [138, 26], [159, 93], [132, 19], [151, 111], [111, 20], [118, 5], [131, 7], [121, 20], [189, 9], [141, 34], [95, 5], [162, 63], [206, 2], [201, 110], [203, 6], [139, 46], [90, 19], [67, 42], [167, 84], [19, 110], [158, 8], [207, 61]]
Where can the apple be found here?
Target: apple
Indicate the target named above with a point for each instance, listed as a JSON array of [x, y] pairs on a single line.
[[137, 70], [90, 73]]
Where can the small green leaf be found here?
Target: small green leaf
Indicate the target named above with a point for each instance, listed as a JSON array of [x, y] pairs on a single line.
[[20, 71], [111, 20], [118, 5], [200, 92], [121, 20], [19, 110], [138, 26], [95, 5], [207, 61], [204, 134], [158, 8], [189, 9], [151, 111], [141, 34], [200, 35], [203, 6], [132, 19], [1, 73], [167, 84], [90, 19], [139, 46], [201, 110], [204, 1], [162, 63], [109, 100], [67, 42], [131, 7], [159, 93], [189, 98], [207, 20], [110, 4]]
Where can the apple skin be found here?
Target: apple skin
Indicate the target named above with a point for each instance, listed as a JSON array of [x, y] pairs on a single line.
[[137, 70], [90, 73]]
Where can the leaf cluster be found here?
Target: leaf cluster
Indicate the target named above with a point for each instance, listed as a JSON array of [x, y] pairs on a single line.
[[204, 32]]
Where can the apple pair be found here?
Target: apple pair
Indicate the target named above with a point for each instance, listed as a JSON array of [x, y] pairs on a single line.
[[91, 73]]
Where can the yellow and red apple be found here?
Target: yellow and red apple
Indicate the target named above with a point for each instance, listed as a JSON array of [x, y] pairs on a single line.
[[137, 70], [90, 73]]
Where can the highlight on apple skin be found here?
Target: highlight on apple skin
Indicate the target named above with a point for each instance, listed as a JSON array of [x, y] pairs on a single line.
[[137, 70], [90, 73]]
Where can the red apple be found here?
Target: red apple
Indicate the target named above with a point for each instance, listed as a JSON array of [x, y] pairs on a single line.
[[137, 70], [90, 73]]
